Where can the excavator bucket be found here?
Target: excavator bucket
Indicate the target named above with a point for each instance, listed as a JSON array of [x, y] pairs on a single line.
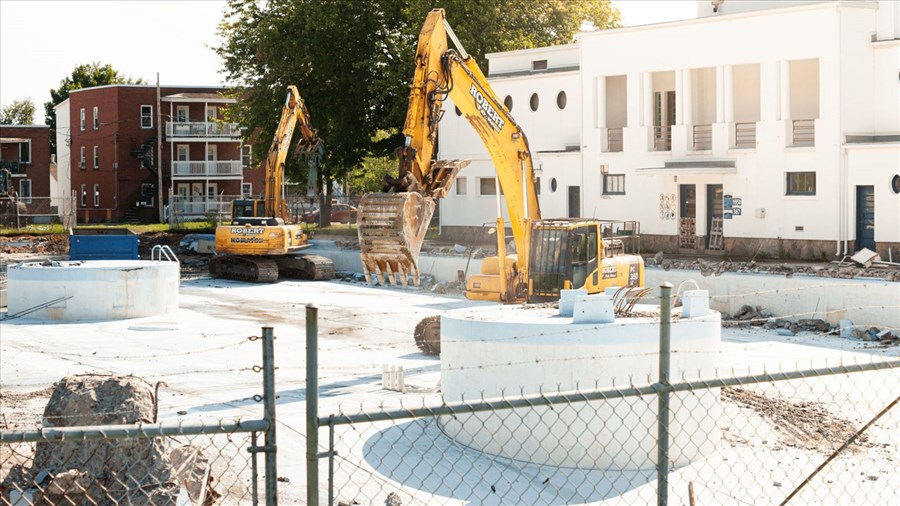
[[391, 229]]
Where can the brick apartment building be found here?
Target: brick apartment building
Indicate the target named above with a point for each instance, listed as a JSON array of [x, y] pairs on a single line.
[[108, 141], [25, 153]]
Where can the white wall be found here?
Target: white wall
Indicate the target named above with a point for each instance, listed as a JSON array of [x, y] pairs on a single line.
[[63, 184]]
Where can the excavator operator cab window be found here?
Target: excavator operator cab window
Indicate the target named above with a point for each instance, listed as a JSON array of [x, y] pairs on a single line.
[[584, 254], [242, 209]]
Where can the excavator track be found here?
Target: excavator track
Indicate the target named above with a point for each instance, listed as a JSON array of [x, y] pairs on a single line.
[[428, 335], [239, 268], [269, 269], [308, 267]]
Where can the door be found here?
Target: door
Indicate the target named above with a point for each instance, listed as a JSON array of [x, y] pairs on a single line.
[[865, 217], [182, 160], [574, 202], [212, 154], [212, 202], [714, 216], [196, 198], [687, 216]]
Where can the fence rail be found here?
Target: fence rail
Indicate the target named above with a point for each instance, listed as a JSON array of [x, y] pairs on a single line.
[[614, 140], [702, 137], [820, 435], [803, 132], [202, 129], [745, 135]]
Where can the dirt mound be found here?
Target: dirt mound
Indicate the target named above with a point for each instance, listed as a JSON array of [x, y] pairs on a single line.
[[148, 240], [51, 244]]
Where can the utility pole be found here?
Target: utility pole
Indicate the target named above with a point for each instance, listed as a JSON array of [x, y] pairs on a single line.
[[159, 165]]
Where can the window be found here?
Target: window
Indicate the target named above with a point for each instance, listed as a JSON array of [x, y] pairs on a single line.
[[537, 186], [212, 112], [246, 156], [539, 65], [561, 100], [146, 116], [25, 190], [184, 153], [96, 195], [614, 184], [246, 190], [458, 112], [487, 186], [25, 152], [508, 103], [82, 120], [535, 101], [182, 113], [82, 163], [212, 152], [461, 188], [84, 195], [96, 157], [895, 184], [801, 183], [96, 118]]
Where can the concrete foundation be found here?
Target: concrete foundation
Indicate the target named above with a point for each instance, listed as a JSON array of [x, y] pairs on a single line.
[[68, 291], [510, 351]]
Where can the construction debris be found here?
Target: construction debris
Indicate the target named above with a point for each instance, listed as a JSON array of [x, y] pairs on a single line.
[[109, 471]]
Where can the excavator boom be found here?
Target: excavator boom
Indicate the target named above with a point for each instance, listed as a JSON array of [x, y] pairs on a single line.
[[392, 224]]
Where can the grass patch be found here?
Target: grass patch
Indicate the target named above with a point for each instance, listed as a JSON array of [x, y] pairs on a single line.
[[195, 227]]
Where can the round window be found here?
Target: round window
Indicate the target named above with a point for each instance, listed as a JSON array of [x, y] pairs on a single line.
[[535, 101], [553, 185], [561, 100], [458, 112], [508, 103], [895, 184]]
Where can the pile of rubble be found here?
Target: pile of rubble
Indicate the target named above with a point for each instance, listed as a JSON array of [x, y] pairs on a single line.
[[841, 269], [108, 471], [758, 317]]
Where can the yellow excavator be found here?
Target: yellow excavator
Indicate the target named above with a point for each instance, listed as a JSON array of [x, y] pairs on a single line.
[[550, 254], [259, 244]]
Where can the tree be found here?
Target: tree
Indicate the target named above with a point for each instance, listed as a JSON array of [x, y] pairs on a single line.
[[352, 61], [19, 112], [85, 75]]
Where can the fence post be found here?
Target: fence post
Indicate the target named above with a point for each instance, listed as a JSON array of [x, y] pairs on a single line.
[[269, 408], [662, 428], [312, 406]]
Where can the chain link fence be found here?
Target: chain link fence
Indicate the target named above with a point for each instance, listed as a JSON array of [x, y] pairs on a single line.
[[822, 432], [37, 212], [122, 455]]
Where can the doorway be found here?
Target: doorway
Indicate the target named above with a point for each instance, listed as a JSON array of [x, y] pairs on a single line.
[[714, 216], [687, 216], [574, 202], [865, 217]]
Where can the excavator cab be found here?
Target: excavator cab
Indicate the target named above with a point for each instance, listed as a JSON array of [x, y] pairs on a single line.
[[253, 212]]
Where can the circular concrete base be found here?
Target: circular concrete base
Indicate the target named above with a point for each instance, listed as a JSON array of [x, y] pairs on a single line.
[[510, 351], [67, 291]]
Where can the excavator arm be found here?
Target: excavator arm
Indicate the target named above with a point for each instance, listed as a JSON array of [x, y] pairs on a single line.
[[293, 114], [392, 224]]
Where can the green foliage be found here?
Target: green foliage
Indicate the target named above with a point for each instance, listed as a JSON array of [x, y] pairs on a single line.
[[86, 75], [352, 62], [19, 112]]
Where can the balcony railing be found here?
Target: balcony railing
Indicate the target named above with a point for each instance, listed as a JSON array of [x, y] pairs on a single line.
[[745, 135], [202, 129], [614, 140], [662, 138], [207, 169], [702, 138], [199, 206], [803, 132]]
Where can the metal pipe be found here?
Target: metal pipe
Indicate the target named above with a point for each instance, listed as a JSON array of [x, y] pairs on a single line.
[[662, 428], [254, 471], [312, 405], [269, 414], [139, 430]]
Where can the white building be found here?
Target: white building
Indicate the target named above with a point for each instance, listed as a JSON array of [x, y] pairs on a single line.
[[766, 128]]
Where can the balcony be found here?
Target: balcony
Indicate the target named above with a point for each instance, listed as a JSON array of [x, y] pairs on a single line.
[[216, 168], [662, 138], [803, 132], [202, 130], [614, 140], [745, 135], [702, 138]]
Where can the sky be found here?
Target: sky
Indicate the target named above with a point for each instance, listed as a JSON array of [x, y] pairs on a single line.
[[177, 44]]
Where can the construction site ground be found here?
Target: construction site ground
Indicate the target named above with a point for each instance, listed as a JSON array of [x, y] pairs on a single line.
[[203, 355]]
